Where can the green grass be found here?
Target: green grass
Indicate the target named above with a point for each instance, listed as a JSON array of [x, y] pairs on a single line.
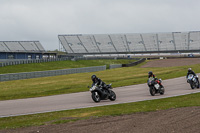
[[111, 110], [71, 83], [60, 65], [78, 82]]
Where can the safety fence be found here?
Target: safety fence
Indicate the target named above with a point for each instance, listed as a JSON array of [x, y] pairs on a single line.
[[134, 63], [17, 62], [28, 75], [127, 65], [112, 66]]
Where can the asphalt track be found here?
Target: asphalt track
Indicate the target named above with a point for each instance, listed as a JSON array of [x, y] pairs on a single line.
[[133, 93]]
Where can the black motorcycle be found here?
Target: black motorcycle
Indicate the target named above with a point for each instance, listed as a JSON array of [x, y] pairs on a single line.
[[155, 86], [98, 93], [192, 80]]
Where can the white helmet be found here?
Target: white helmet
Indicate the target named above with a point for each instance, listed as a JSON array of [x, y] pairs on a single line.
[[189, 69]]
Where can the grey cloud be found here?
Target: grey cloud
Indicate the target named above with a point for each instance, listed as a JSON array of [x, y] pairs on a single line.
[[43, 20]]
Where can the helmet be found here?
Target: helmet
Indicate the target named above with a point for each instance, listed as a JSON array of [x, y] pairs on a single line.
[[93, 77], [189, 69], [150, 73]]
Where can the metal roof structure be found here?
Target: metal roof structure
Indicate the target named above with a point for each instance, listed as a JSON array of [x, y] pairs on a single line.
[[21, 46]]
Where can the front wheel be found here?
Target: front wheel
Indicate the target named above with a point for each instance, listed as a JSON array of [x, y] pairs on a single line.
[[192, 85], [152, 91], [96, 97], [112, 95], [162, 91], [197, 83]]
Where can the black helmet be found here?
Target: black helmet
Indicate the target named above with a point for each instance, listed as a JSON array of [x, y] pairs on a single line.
[[150, 73], [93, 77]]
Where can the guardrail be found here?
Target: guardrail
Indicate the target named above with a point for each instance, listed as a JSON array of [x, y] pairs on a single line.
[[17, 62], [127, 65], [134, 63], [112, 66], [28, 75]]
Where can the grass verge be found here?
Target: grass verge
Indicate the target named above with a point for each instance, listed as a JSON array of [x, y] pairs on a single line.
[[111, 110], [60, 65]]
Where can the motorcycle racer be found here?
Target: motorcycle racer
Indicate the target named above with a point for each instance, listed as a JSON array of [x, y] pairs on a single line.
[[98, 81], [150, 74], [191, 72], [154, 84]]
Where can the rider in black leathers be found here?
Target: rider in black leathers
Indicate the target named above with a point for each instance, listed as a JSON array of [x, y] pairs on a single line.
[[191, 72], [99, 82]]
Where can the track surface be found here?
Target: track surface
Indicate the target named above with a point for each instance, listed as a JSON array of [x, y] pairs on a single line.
[[134, 93]]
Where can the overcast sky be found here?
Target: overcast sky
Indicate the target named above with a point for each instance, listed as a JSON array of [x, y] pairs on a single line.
[[44, 20]]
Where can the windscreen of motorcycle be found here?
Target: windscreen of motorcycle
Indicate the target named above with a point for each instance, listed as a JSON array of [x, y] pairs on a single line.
[[150, 79], [156, 86], [190, 76], [93, 88]]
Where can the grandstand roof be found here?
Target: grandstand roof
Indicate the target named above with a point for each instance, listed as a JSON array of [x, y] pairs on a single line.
[[131, 42], [21, 46]]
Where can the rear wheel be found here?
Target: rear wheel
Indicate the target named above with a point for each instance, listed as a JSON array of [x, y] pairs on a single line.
[[96, 97], [152, 91], [112, 95]]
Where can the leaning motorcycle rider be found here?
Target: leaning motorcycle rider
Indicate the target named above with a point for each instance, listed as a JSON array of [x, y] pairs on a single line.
[[98, 81], [150, 74], [191, 72]]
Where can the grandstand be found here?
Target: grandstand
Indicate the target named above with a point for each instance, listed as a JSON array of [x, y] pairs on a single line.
[[21, 50], [169, 42]]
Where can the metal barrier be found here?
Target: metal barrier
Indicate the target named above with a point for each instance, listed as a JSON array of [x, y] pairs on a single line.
[[112, 66], [134, 63], [28, 75], [17, 62], [127, 65]]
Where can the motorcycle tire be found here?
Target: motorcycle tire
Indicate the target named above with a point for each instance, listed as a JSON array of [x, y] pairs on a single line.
[[198, 84], [162, 91], [152, 91], [112, 95], [192, 86], [96, 97]]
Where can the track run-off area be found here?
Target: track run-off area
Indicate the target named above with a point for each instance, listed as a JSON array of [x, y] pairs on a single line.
[[126, 94]]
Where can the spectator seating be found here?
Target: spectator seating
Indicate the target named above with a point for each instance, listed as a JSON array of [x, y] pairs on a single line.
[[132, 42]]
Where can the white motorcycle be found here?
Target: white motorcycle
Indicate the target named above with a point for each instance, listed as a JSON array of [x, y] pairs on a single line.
[[193, 81]]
